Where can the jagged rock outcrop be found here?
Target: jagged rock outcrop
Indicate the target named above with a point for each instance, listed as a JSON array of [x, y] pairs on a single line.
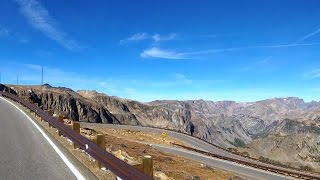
[[66, 102], [4, 88], [99, 108], [146, 115]]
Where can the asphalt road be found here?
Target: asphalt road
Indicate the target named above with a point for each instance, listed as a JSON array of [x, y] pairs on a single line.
[[24, 152], [241, 170], [186, 139]]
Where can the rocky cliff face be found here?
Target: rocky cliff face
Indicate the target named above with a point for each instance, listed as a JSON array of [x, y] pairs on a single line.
[[66, 102], [7, 89], [90, 106], [292, 143], [127, 111], [227, 120]]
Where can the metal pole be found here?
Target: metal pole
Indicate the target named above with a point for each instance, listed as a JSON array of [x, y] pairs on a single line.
[[42, 75], [41, 86]]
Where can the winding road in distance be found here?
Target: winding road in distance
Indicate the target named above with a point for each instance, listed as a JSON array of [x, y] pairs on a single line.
[[24, 152], [239, 169]]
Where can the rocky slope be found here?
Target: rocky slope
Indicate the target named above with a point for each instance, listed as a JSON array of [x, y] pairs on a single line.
[[291, 143], [268, 128], [127, 111], [216, 122], [245, 121], [88, 106]]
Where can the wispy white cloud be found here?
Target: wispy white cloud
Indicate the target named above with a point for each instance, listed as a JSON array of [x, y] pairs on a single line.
[[11, 35], [210, 36], [4, 32], [256, 65], [38, 16], [275, 46], [309, 35], [138, 37], [156, 38], [124, 87], [103, 84], [33, 67], [145, 36], [181, 78], [314, 73], [169, 54], [288, 45], [23, 40], [56, 76], [219, 35], [161, 53], [135, 37], [159, 38]]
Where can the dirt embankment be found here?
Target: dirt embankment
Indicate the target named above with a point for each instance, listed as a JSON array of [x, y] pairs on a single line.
[[132, 142]]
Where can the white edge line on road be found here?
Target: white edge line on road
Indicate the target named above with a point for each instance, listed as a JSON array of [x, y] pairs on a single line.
[[72, 168]]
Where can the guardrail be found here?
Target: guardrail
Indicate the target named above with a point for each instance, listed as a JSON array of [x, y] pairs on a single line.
[[223, 149], [259, 165], [115, 165], [204, 141], [257, 161]]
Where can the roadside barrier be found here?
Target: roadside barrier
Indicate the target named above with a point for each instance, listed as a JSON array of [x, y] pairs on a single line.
[[106, 159], [271, 168]]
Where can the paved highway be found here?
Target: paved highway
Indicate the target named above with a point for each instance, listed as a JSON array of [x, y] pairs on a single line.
[[24, 152], [186, 139], [241, 170]]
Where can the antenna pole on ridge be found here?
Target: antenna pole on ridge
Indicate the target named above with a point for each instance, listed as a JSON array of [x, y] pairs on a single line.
[[41, 86]]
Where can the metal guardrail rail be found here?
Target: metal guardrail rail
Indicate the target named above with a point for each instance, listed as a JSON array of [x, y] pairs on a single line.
[[259, 165], [115, 165], [218, 147]]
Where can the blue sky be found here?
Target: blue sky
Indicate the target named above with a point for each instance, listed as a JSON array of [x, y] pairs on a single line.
[[147, 50]]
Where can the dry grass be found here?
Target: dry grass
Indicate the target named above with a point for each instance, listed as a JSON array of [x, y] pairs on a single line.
[[172, 165], [139, 136]]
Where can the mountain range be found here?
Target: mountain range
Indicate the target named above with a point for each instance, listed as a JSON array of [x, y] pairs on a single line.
[[253, 127]]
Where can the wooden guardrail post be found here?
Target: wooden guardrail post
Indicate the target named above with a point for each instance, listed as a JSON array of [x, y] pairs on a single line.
[[138, 166], [147, 164], [100, 140], [35, 113], [76, 127], [50, 112], [60, 118]]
